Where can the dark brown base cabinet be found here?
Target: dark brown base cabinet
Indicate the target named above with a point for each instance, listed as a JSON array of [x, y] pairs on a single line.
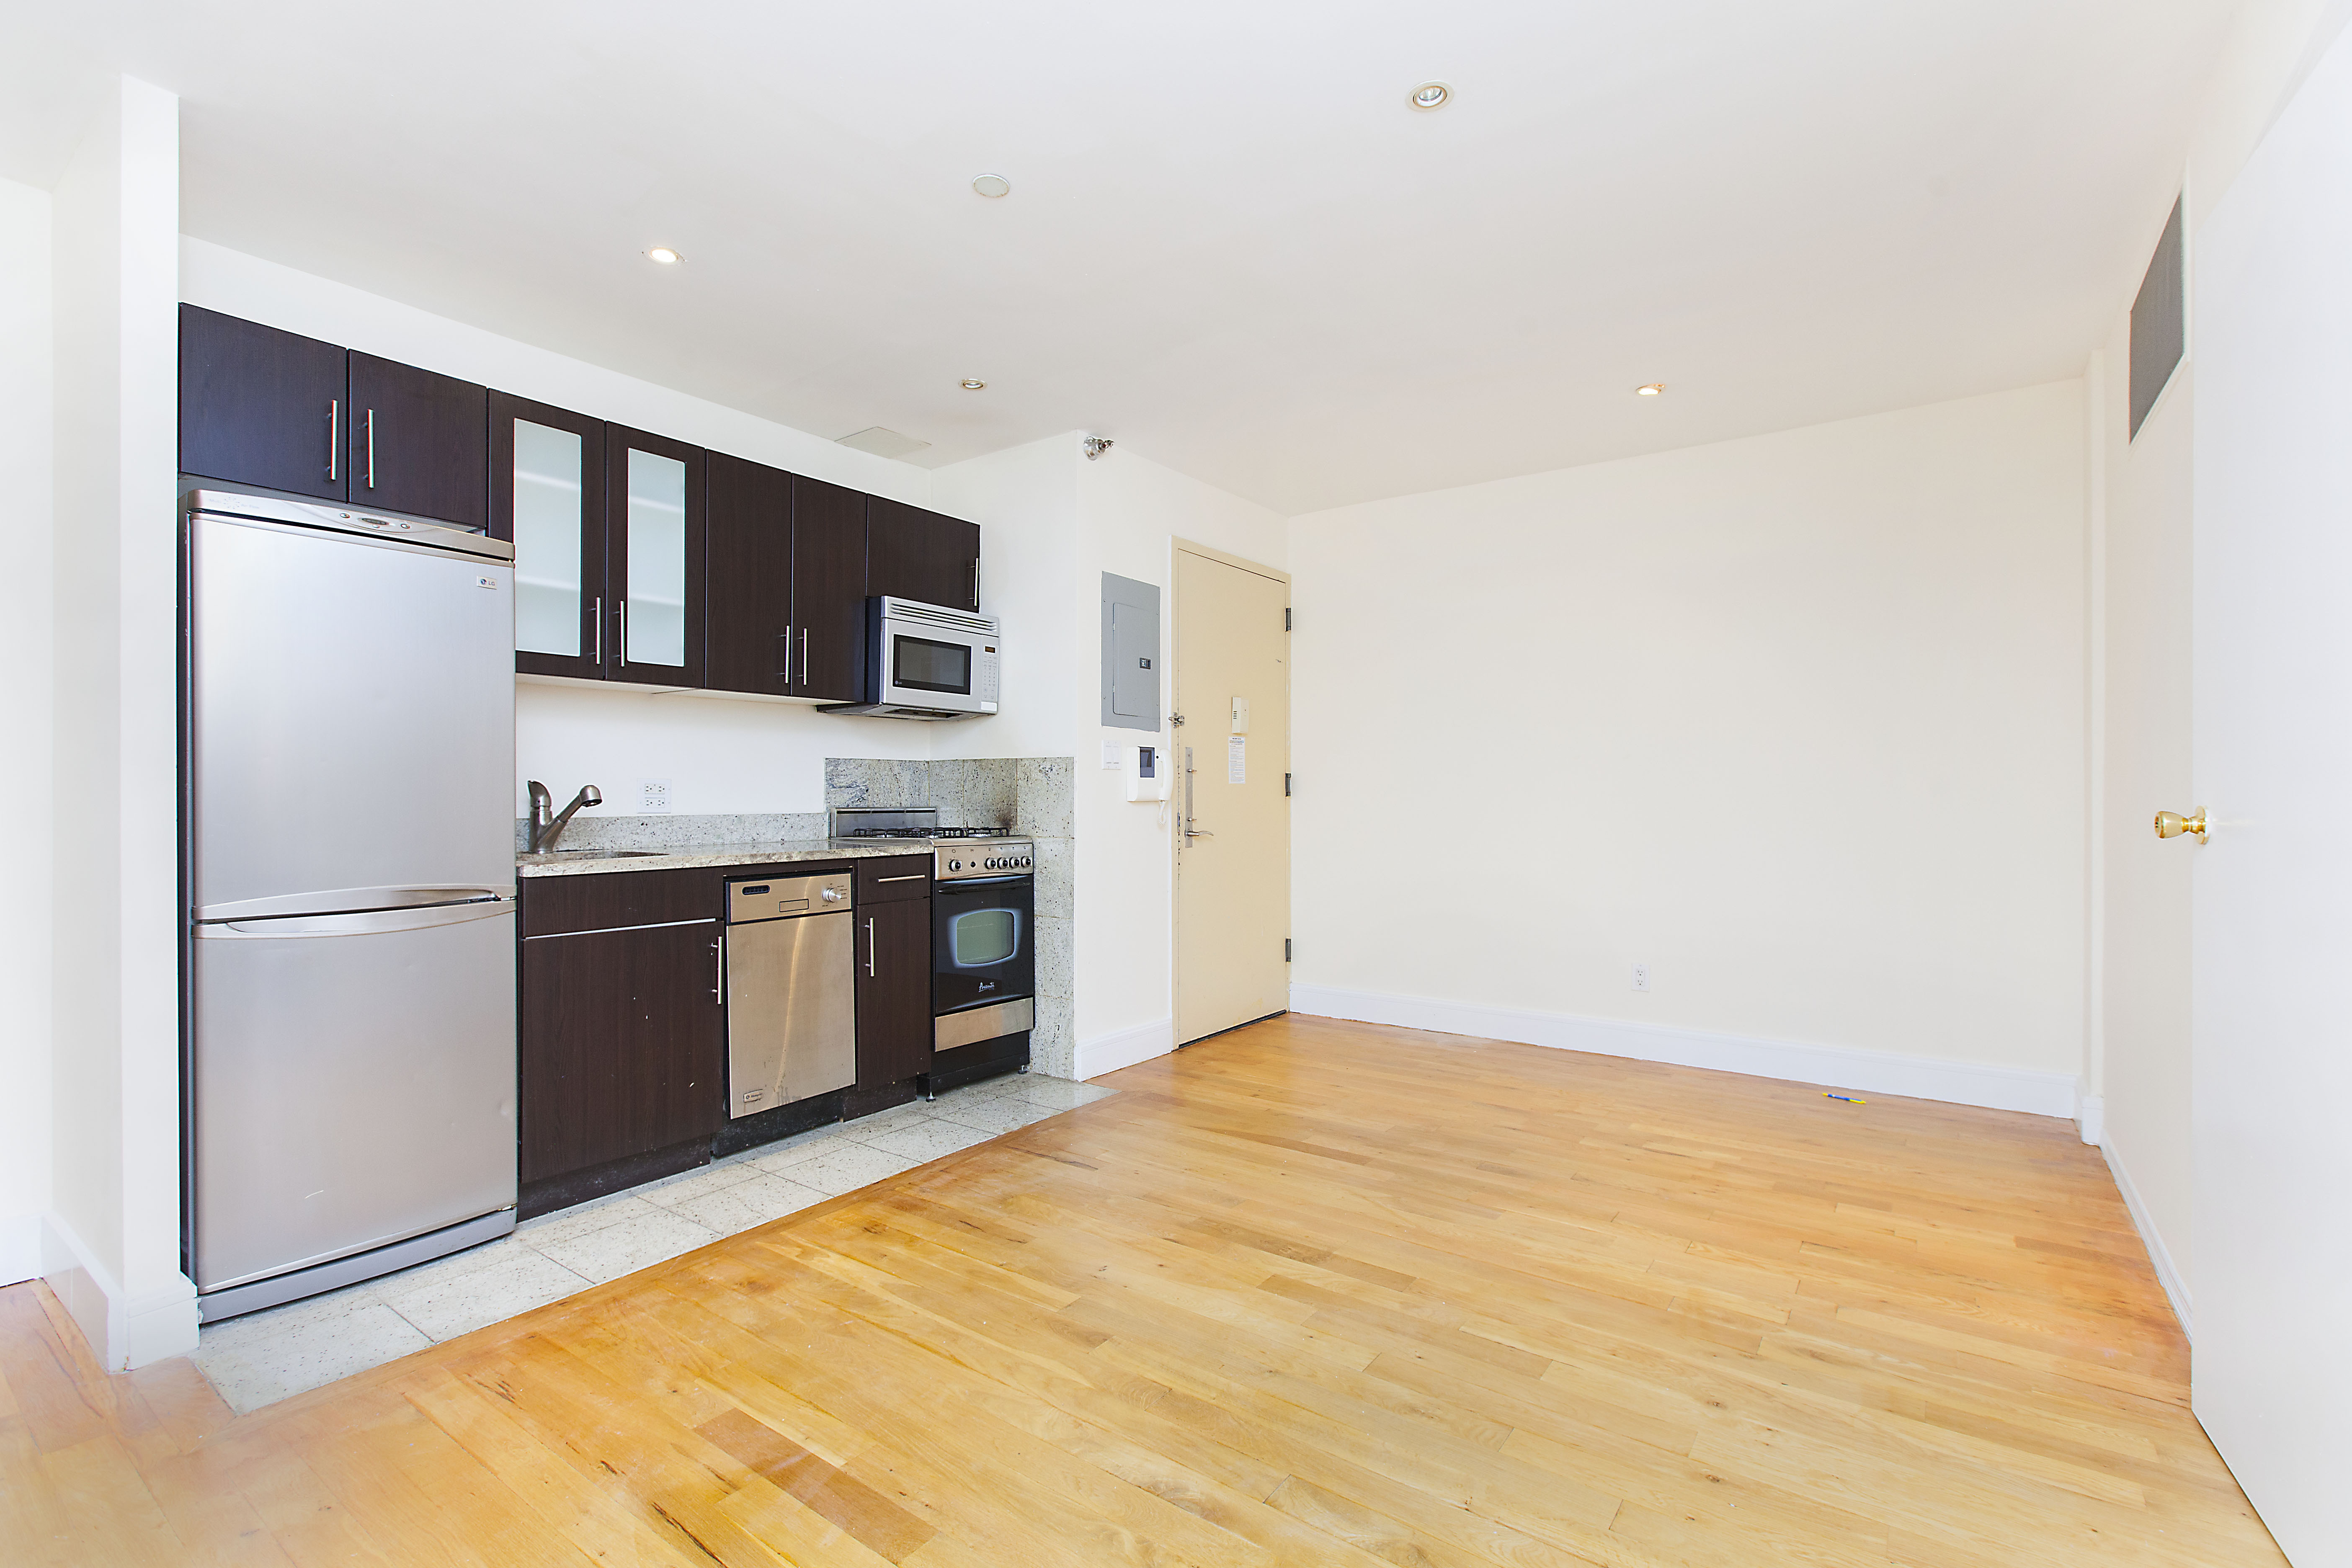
[[623, 1036], [894, 993], [623, 1054]]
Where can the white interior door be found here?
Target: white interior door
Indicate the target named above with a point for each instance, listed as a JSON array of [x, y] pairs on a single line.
[[1230, 677], [2272, 1369]]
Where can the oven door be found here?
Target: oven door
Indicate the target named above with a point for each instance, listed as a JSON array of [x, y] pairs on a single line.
[[984, 947]]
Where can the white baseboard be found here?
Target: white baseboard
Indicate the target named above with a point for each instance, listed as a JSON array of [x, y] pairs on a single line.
[[123, 1331], [2092, 1117], [1835, 1067], [20, 1248], [2176, 1289], [1124, 1049]]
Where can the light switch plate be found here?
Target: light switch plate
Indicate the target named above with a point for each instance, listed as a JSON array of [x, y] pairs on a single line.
[[653, 797], [1241, 716], [1114, 756]]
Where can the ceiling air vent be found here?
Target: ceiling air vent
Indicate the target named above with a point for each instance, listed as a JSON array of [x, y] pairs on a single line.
[[884, 443]]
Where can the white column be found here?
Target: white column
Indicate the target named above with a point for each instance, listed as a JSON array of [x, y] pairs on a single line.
[[114, 1242]]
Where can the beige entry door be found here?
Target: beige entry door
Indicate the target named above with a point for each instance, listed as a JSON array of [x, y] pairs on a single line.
[[1230, 682]]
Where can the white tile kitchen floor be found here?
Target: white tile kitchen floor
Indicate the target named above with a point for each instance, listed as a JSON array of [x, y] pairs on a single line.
[[264, 1357]]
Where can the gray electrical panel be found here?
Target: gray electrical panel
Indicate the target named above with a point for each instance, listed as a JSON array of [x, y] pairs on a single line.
[[1130, 653]]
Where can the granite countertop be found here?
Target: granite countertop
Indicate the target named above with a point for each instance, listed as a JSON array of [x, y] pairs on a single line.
[[684, 855]]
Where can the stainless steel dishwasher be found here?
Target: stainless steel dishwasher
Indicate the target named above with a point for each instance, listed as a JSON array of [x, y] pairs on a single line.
[[791, 990]]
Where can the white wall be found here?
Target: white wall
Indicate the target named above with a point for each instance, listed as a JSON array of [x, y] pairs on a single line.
[[1055, 523], [1796, 722], [1026, 500], [111, 1247], [26, 717], [1130, 512], [719, 755]]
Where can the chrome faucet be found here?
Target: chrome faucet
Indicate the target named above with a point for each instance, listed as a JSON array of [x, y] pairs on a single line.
[[544, 826]]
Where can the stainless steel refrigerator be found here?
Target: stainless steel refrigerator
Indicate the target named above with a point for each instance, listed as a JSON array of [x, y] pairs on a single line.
[[348, 830]]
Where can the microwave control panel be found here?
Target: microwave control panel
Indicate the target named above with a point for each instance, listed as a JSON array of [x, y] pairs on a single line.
[[984, 662]]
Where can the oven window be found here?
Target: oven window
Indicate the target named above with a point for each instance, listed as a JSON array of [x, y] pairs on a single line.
[[928, 665], [984, 937]]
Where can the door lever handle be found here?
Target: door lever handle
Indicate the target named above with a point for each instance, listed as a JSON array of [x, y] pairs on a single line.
[[2172, 825]]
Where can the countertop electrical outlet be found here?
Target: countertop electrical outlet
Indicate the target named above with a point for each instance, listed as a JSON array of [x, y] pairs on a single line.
[[653, 797]]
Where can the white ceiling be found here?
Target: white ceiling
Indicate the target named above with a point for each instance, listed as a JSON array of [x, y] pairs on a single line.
[[1230, 243]]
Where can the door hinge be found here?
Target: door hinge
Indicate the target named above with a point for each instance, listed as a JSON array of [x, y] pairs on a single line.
[[1286, 950], [1285, 617], [1285, 786]]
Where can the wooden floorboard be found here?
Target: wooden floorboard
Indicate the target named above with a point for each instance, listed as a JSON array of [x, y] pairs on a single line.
[[1309, 1292]]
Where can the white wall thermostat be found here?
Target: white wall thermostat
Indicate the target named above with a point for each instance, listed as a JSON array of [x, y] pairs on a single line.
[[1148, 771]]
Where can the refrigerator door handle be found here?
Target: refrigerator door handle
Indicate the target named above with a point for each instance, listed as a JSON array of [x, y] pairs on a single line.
[[367, 922], [351, 901]]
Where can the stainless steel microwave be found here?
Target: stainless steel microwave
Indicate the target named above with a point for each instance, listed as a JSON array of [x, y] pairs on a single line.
[[927, 661]]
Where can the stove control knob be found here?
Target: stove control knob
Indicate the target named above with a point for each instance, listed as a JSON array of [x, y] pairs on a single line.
[[955, 865], [993, 862], [1024, 860]]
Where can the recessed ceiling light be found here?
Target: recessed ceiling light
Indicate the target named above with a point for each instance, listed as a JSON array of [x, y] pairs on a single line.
[[1431, 95], [991, 185], [1651, 390], [971, 383], [665, 255]]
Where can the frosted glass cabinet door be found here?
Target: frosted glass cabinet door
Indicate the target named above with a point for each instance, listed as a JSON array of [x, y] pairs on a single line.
[[655, 531], [547, 495]]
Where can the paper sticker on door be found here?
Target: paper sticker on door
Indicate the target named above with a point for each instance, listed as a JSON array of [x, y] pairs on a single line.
[[1237, 759]]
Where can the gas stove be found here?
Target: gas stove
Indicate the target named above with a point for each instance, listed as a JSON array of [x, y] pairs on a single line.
[[956, 853]]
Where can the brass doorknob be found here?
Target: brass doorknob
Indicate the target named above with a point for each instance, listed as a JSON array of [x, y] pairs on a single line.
[[2172, 825]]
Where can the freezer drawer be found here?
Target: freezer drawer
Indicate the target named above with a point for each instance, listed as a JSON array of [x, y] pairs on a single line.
[[791, 1011], [353, 1083]]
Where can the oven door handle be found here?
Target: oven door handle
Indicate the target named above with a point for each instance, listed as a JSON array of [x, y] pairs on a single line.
[[952, 883]]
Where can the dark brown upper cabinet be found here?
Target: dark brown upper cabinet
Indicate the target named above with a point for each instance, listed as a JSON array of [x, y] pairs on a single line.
[[656, 511], [547, 497], [418, 442], [261, 406], [912, 553], [747, 600], [829, 590]]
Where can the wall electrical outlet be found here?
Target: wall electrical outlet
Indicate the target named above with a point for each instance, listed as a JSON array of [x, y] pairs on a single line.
[[653, 797], [1641, 977]]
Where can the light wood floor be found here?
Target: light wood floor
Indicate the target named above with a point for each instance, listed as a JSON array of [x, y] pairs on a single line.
[[1310, 1293]]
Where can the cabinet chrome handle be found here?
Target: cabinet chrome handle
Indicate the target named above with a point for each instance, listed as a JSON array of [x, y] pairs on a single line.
[[623, 648], [334, 438], [788, 655], [370, 449], [910, 877], [871, 948], [975, 582], [597, 616], [719, 990], [804, 656]]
